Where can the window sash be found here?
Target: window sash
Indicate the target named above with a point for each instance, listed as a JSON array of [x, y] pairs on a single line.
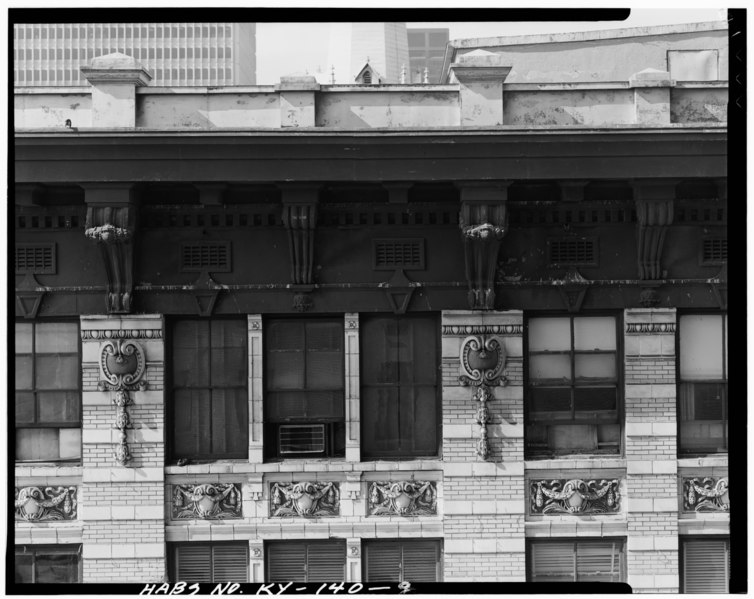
[[60, 564], [576, 561]]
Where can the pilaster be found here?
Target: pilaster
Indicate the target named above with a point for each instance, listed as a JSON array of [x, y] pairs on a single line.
[[256, 390], [353, 399]]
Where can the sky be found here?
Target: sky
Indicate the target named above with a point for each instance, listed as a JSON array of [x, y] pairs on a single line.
[[315, 48]]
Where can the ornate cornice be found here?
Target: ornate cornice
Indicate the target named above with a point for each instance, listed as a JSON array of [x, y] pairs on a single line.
[[706, 494], [90, 334], [485, 329], [650, 328], [405, 498], [206, 501], [575, 496], [306, 499], [40, 504]]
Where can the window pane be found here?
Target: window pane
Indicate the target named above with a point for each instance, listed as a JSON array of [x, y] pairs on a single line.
[[555, 368], [379, 356], [284, 335], [594, 333], [190, 354], [57, 337], [37, 444], [380, 409], [285, 370], [324, 336], [229, 421], [57, 568], [24, 372], [546, 403], [595, 367], [417, 350], [324, 370], [549, 334], [24, 565], [69, 443], [419, 420], [57, 371], [573, 438], [191, 418], [592, 403], [701, 347], [23, 337], [229, 367], [58, 407], [24, 408]]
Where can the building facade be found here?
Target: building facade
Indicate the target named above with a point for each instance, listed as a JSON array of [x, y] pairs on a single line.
[[472, 331], [175, 54], [426, 51]]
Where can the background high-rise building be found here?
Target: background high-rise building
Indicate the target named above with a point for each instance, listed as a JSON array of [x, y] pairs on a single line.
[[175, 54], [426, 50], [385, 45]]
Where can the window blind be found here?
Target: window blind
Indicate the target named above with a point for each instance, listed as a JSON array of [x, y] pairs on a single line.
[[323, 561], [395, 561], [706, 566]]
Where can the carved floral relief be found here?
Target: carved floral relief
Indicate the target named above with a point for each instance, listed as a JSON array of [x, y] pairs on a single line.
[[40, 504], [305, 499], [206, 501], [405, 498], [706, 494], [575, 496]]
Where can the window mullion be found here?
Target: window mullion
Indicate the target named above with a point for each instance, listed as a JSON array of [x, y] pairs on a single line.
[[573, 372]]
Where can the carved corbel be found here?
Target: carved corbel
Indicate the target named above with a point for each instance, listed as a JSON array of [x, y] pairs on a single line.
[[484, 222], [112, 228], [654, 214], [482, 364]]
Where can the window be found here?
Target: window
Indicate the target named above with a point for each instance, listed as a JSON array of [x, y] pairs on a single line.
[[394, 560], [572, 404], [601, 560], [298, 561], [399, 394], [705, 565], [209, 562], [305, 380], [56, 564], [703, 388], [48, 391], [209, 389]]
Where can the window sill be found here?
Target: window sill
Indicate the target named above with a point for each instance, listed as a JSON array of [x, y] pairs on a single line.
[[28, 469], [575, 463], [710, 461]]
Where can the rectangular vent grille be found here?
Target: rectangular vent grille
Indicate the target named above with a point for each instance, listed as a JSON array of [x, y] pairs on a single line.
[[715, 249], [302, 438], [213, 256], [573, 251], [398, 253], [35, 259]]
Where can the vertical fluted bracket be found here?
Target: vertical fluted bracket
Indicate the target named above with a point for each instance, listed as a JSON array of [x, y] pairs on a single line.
[[654, 214], [300, 220]]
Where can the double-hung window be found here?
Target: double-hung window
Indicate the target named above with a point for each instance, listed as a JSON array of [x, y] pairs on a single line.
[[48, 391], [703, 388], [399, 390], [304, 402], [573, 392], [209, 389], [306, 561], [52, 564], [602, 560]]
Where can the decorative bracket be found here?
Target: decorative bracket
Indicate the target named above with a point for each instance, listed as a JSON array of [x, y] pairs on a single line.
[[405, 498], [29, 296], [482, 364], [305, 499], [38, 504], [112, 228], [654, 214], [122, 366], [300, 221], [483, 225]]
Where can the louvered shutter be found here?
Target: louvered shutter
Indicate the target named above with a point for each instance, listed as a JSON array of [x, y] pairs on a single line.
[[706, 564], [420, 561], [599, 562], [326, 562], [193, 563], [383, 561], [551, 562], [230, 563], [286, 562]]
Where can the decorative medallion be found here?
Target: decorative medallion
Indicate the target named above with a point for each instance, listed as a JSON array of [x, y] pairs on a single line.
[[206, 501], [307, 499], [482, 364], [122, 366], [40, 504], [406, 498], [706, 495], [575, 496]]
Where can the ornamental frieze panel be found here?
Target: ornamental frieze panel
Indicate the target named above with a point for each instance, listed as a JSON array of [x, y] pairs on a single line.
[[706, 494], [44, 504], [575, 496], [304, 499], [90, 334], [486, 329], [206, 501], [404, 498], [650, 328]]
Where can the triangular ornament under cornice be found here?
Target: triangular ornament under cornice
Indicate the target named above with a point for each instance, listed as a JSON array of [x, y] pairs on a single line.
[[29, 296], [398, 291]]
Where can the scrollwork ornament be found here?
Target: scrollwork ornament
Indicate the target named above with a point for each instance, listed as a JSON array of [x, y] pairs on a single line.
[[207, 501], [575, 496], [706, 494], [404, 498], [38, 504]]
